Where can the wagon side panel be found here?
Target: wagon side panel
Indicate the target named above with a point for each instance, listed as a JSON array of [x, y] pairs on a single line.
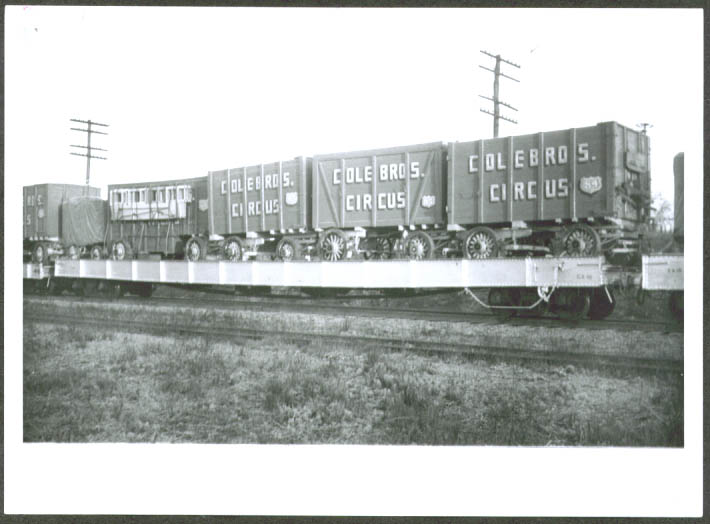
[[380, 188]]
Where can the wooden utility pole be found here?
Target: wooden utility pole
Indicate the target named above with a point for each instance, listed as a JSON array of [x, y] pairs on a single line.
[[496, 99], [88, 145]]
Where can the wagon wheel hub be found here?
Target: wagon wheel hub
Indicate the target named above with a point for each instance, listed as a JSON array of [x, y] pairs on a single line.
[[417, 249], [480, 246], [233, 250], [286, 251], [333, 247], [119, 251]]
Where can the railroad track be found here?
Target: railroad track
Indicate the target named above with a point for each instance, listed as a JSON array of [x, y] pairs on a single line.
[[475, 351], [335, 306]]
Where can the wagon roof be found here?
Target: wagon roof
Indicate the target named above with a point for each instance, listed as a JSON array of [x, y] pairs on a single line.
[[382, 151], [159, 183]]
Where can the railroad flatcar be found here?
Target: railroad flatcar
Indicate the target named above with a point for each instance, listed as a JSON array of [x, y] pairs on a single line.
[[42, 225]]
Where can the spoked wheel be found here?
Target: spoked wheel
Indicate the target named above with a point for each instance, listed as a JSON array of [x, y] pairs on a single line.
[[333, 245], [581, 240], [39, 253], [286, 249], [121, 250], [501, 296], [600, 307], [419, 246], [233, 249], [96, 253], [383, 249], [481, 242], [195, 249], [572, 303]]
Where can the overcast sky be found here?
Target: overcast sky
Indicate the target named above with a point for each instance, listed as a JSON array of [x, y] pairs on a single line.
[[188, 90]]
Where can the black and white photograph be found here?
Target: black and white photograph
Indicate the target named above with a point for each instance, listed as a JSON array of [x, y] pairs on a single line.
[[353, 261]]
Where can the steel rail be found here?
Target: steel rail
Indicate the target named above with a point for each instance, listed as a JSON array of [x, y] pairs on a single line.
[[475, 351]]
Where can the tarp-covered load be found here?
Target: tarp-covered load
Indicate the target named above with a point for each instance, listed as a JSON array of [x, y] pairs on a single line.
[[84, 221]]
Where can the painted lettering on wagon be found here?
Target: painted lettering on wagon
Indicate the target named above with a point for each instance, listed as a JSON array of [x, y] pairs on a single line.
[[550, 156], [386, 172], [255, 183], [554, 188]]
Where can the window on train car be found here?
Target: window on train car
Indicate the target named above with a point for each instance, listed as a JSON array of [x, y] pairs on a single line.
[[143, 195], [153, 195], [171, 193], [181, 194], [161, 195]]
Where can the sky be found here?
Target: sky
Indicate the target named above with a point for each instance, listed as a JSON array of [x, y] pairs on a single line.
[[188, 90]]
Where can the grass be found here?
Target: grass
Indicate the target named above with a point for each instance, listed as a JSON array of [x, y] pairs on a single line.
[[100, 386]]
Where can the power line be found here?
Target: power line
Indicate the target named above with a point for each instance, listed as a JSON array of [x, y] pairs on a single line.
[[496, 99], [89, 148]]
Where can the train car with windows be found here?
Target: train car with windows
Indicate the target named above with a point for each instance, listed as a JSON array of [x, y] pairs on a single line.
[[155, 218], [42, 218]]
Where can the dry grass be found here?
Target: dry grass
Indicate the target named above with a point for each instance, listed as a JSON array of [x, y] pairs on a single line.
[[89, 386]]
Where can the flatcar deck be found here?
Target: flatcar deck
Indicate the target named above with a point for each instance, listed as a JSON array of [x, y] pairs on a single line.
[[519, 272]]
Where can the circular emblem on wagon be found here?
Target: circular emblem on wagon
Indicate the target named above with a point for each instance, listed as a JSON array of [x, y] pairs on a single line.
[[590, 184], [203, 204], [291, 198], [428, 201], [40, 212]]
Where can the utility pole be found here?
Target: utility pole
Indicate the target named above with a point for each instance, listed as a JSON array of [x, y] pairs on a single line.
[[496, 100], [88, 146], [643, 126]]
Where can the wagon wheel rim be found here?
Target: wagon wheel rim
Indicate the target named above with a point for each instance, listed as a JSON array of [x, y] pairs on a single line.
[[119, 251], [333, 247], [418, 248], [194, 251], [233, 250], [39, 253], [96, 253], [479, 245], [383, 248], [286, 250], [581, 241]]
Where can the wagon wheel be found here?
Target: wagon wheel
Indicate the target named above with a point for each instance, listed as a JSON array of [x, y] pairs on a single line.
[[39, 253], [600, 307], [481, 242], [195, 249], [383, 249], [121, 250], [73, 252], [501, 296], [419, 246], [233, 249], [333, 245], [581, 240], [286, 249], [96, 253]]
